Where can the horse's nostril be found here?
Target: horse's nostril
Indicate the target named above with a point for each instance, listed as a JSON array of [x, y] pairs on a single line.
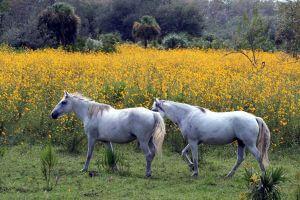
[[54, 115]]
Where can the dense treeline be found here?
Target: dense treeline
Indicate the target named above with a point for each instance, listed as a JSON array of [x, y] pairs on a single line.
[[220, 23]]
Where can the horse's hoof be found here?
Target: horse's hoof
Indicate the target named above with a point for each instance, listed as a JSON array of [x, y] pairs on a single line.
[[195, 174], [83, 170], [148, 175], [228, 176], [191, 166]]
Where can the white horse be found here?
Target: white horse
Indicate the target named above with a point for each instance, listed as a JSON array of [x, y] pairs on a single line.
[[104, 123], [199, 125]]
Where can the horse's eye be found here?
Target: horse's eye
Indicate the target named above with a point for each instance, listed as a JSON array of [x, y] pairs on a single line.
[[63, 102]]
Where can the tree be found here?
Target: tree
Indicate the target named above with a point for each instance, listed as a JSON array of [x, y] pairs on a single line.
[[146, 29], [288, 34], [181, 16], [253, 35], [4, 5], [61, 21]]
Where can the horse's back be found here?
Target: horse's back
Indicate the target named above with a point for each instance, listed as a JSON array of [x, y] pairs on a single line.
[[139, 118], [222, 127]]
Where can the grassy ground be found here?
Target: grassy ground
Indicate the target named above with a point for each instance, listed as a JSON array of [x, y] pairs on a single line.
[[21, 178]]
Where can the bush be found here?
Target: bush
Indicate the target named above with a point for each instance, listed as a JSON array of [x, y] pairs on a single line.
[[48, 161], [200, 43], [2, 152], [174, 139], [113, 162], [264, 187], [109, 41], [93, 45], [105, 43], [173, 41], [73, 143]]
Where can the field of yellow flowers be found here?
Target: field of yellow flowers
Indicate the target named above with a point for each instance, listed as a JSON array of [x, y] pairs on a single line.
[[32, 83]]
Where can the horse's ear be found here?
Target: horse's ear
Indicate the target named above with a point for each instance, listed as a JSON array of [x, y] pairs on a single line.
[[66, 94], [156, 100]]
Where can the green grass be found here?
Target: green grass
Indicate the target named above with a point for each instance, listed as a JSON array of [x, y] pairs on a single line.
[[21, 177]]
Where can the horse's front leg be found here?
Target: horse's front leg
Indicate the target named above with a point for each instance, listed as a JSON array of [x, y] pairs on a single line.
[[184, 154], [194, 149], [91, 145]]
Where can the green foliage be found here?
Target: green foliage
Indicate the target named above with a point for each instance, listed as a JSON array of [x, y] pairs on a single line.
[[105, 43], [2, 152], [62, 8], [181, 16], [298, 185], [173, 40], [110, 160], [79, 45], [288, 32], [73, 142], [4, 5], [61, 21], [48, 162], [146, 29], [92, 45], [253, 33], [113, 162], [109, 42], [266, 186], [174, 140]]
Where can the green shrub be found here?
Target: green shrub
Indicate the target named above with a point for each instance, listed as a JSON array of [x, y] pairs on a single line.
[[174, 139], [105, 43], [113, 162], [48, 162], [79, 45], [173, 41], [2, 152], [109, 42], [298, 186], [92, 45], [200, 43], [266, 186], [110, 160], [73, 143]]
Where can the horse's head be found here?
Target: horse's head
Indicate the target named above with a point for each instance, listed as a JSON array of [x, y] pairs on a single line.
[[63, 107], [158, 106]]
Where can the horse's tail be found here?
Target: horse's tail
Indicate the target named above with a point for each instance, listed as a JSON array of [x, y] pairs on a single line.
[[158, 132], [263, 141]]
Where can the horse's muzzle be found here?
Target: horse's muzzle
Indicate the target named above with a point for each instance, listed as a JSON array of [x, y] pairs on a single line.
[[54, 115], [154, 110]]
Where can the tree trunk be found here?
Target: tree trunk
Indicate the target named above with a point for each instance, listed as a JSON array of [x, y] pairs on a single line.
[[145, 43]]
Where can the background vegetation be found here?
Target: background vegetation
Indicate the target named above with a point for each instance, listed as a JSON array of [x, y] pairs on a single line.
[[32, 83], [208, 24]]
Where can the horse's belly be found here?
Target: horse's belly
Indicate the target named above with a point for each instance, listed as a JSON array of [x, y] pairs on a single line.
[[218, 137], [217, 141], [116, 136], [123, 140]]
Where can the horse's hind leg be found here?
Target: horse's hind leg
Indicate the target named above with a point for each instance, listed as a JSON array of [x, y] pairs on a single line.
[[240, 158], [149, 156], [184, 154], [152, 147], [194, 149], [254, 151]]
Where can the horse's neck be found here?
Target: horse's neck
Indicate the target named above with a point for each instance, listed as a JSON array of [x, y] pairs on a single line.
[[81, 108], [177, 112]]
